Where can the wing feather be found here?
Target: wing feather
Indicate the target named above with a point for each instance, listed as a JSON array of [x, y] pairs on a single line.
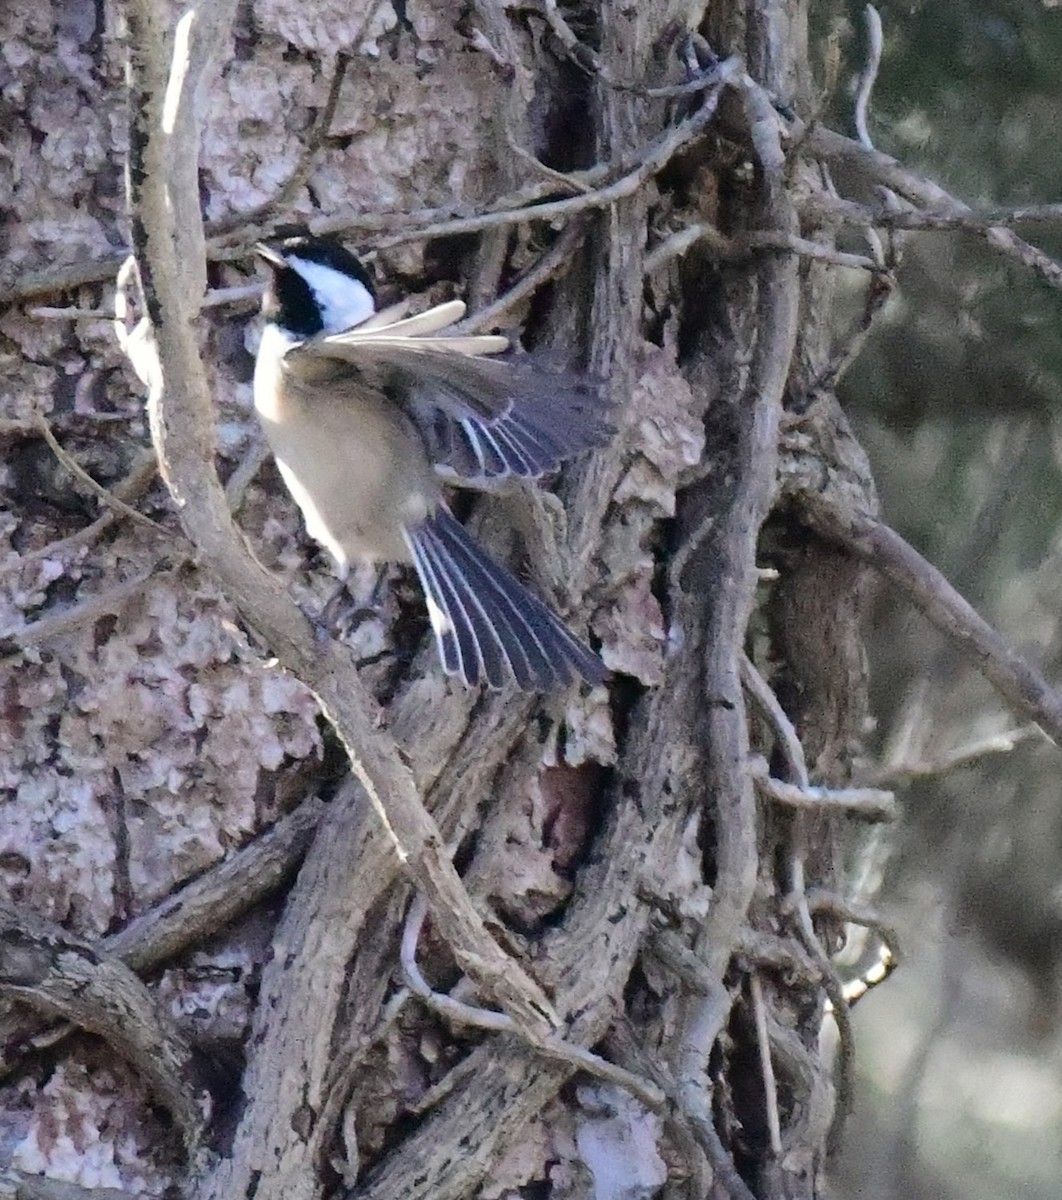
[[482, 418]]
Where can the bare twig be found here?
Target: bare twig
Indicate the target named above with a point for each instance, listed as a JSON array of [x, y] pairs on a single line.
[[553, 263], [579, 53], [864, 803], [40, 1187], [44, 312], [787, 741], [107, 604], [961, 756], [220, 895], [552, 1046], [876, 543], [194, 912], [423, 226], [932, 219], [290, 188], [939, 212], [248, 467], [446, 1006], [17, 426], [888, 954], [879, 291], [238, 295], [744, 245], [134, 485], [215, 298], [576, 184], [922, 193], [101, 493], [692, 1135], [770, 950], [732, 525], [796, 766], [770, 1087], [655, 157], [868, 76], [350, 1059]]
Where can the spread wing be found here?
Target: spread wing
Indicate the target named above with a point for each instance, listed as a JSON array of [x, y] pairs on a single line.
[[481, 417]]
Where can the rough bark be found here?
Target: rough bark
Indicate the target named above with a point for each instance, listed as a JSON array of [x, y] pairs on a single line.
[[602, 870]]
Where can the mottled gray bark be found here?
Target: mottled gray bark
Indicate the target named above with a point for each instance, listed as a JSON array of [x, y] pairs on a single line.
[[600, 868]]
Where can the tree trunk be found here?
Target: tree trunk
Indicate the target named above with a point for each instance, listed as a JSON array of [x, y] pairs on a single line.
[[619, 846]]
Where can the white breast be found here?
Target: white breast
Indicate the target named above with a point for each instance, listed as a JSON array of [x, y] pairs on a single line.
[[274, 345]]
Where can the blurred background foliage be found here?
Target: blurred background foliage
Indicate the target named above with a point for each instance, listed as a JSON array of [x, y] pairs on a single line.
[[958, 399]]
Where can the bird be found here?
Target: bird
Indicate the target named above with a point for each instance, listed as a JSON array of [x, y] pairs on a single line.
[[370, 413]]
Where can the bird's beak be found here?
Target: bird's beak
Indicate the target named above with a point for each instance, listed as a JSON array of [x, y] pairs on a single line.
[[273, 257]]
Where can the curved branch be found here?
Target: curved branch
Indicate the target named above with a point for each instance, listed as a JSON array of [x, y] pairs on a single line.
[[926, 587]]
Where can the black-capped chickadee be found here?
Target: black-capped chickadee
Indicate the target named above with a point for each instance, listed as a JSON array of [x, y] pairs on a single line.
[[367, 413]]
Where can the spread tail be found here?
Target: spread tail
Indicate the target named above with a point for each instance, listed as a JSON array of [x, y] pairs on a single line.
[[487, 625]]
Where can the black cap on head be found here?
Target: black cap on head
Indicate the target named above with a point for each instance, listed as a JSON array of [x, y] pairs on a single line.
[[289, 300]]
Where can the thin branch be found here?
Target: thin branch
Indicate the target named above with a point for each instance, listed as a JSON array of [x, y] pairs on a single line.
[[886, 171], [246, 469], [220, 895], [932, 219], [888, 954], [786, 739], [696, 1133], [655, 157], [950, 760], [796, 765], [62, 975], [46, 312], [241, 294], [140, 476], [108, 498], [770, 1086], [312, 147], [880, 290], [446, 1006], [943, 213], [838, 1006], [41, 1187], [730, 527], [215, 298], [552, 1046], [17, 427], [107, 604], [777, 953], [867, 804], [574, 183], [428, 224], [869, 539], [869, 75], [349, 1061], [742, 246], [551, 264], [196, 911], [577, 51]]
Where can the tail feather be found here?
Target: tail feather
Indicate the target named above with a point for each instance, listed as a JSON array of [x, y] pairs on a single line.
[[488, 626], [464, 651], [457, 652], [511, 617], [490, 619]]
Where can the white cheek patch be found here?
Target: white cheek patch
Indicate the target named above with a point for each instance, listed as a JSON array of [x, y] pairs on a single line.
[[345, 302]]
